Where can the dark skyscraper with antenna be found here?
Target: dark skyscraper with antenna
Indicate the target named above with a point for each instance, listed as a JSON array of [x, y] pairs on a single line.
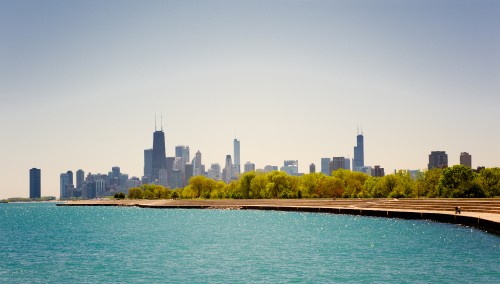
[[158, 151], [359, 153]]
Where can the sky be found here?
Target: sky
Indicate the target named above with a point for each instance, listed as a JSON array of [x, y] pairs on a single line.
[[82, 81]]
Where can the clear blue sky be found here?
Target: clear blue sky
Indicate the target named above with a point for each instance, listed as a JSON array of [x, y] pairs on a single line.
[[81, 81]]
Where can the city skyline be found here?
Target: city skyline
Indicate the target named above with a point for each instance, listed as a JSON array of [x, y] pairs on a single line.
[[97, 184], [80, 83]]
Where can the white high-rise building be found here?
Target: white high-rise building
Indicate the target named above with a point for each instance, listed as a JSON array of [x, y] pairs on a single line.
[[182, 152], [228, 169], [214, 172], [236, 143]]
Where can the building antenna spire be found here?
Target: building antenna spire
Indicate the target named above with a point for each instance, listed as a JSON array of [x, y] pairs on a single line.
[[155, 121], [161, 117]]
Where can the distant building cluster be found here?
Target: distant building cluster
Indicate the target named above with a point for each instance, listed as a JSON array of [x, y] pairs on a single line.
[[439, 159], [95, 185], [329, 165], [175, 172]]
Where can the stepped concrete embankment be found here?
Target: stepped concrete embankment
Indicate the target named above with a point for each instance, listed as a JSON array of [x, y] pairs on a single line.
[[483, 214]]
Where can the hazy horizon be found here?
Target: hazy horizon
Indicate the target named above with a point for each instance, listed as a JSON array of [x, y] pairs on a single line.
[[81, 82]]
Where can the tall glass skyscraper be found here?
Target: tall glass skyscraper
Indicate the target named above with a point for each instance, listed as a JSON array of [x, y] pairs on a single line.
[[237, 155], [359, 154], [325, 166], [182, 152], [66, 182], [35, 185], [80, 176]]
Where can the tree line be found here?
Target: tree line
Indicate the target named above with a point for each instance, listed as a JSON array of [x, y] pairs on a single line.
[[454, 182]]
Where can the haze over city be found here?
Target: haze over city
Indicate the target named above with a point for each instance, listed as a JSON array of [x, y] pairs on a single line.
[[81, 83]]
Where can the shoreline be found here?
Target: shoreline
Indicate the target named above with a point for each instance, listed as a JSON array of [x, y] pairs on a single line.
[[483, 214]]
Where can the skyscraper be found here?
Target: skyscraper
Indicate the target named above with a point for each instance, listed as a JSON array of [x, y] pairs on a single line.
[[347, 164], [188, 173], [291, 167], [359, 154], [148, 163], [236, 144], [158, 159], [378, 171], [35, 185], [228, 169], [325, 166], [163, 177], [182, 152], [80, 176], [214, 172], [338, 163], [466, 159], [438, 159], [115, 178], [312, 168], [70, 177], [64, 185], [197, 169]]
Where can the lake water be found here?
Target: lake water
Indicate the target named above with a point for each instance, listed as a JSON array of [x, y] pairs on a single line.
[[42, 243]]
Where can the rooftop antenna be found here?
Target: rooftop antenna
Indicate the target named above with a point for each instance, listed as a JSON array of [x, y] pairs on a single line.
[[161, 117], [155, 121]]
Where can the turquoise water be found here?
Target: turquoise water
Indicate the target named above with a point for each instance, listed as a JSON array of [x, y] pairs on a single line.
[[42, 243]]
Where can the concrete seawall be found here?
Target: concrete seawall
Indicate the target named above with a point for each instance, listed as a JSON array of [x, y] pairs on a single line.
[[483, 221]]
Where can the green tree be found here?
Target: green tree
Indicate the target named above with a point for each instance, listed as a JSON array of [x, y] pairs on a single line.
[[295, 187], [489, 180], [427, 183], [119, 195], [330, 187], [278, 185], [309, 184], [219, 191], [135, 193], [387, 184], [354, 183], [404, 185], [244, 185], [175, 195], [372, 186], [459, 181], [197, 185], [258, 186]]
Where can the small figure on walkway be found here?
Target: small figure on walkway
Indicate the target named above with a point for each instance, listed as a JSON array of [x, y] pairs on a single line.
[[457, 210]]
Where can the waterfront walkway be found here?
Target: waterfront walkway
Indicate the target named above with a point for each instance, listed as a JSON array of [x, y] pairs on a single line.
[[481, 213]]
